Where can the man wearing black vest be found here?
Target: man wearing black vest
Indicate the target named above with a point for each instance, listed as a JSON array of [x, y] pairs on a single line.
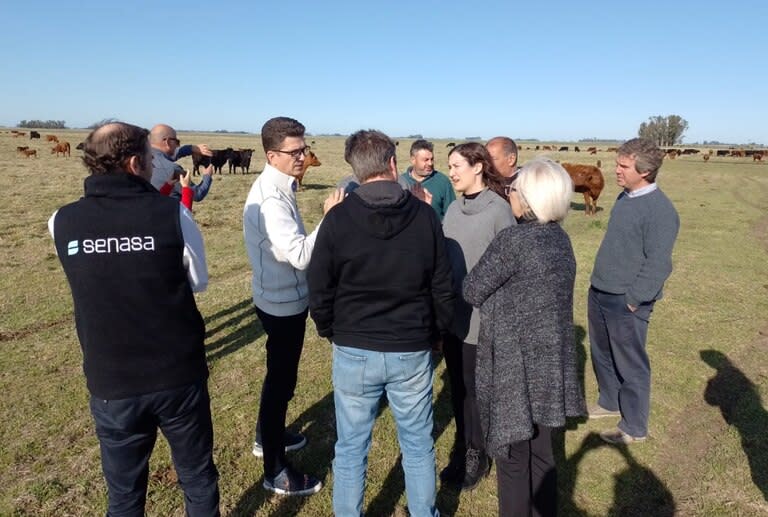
[[133, 258]]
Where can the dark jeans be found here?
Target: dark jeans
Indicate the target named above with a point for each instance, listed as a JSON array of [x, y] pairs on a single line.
[[285, 340], [527, 480], [127, 431], [617, 337], [460, 360]]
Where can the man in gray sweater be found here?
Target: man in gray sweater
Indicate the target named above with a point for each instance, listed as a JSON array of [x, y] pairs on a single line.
[[632, 264]]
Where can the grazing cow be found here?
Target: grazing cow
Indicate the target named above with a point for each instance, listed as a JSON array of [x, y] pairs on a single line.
[[21, 148], [19, 133], [722, 152], [576, 148], [611, 149], [240, 158], [450, 144], [80, 146], [757, 156], [588, 180], [563, 148], [537, 148], [310, 160], [29, 152], [61, 148], [547, 148], [51, 138], [706, 157], [737, 153], [691, 151], [34, 134], [672, 153], [592, 150]]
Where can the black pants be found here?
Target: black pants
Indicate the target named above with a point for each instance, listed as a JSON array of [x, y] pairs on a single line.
[[285, 340], [127, 431], [460, 359], [527, 480]]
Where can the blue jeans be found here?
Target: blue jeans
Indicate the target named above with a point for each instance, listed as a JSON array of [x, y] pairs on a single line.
[[360, 377], [127, 430], [617, 337]]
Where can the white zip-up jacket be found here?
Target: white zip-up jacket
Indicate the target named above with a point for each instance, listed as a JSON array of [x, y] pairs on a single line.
[[278, 247]]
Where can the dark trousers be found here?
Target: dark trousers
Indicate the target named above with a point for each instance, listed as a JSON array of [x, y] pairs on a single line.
[[527, 480], [127, 431], [285, 340], [617, 342], [460, 360]]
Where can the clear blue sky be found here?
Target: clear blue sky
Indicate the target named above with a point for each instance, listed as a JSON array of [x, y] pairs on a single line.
[[550, 70]]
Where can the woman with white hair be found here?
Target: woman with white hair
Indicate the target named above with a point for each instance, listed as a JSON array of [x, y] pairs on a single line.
[[526, 375]]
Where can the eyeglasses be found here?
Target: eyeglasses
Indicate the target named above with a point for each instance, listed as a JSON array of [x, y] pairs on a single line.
[[296, 153], [174, 139]]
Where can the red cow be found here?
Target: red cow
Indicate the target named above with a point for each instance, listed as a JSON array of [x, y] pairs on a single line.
[[588, 180]]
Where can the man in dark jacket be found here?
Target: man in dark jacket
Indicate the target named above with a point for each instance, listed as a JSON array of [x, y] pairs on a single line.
[[380, 289], [133, 258]]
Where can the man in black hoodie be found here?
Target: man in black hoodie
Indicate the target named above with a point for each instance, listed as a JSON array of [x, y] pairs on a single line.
[[380, 290]]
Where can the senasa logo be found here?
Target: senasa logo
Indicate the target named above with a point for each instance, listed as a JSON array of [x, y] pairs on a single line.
[[112, 245]]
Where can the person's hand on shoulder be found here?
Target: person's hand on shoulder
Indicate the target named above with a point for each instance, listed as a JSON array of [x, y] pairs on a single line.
[[336, 197]]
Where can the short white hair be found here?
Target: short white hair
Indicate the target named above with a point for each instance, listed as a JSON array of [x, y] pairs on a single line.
[[545, 190]]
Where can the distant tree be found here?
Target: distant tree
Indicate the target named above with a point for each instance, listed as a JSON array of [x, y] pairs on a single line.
[[473, 139], [43, 124], [414, 136], [102, 122], [665, 131]]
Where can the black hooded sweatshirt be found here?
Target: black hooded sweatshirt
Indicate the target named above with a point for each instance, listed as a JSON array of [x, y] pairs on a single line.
[[379, 278]]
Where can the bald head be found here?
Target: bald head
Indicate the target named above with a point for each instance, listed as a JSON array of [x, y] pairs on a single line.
[[503, 151], [161, 132]]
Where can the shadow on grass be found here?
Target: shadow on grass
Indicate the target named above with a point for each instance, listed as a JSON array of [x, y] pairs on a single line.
[[232, 341], [637, 490], [318, 424], [580, 207], [741, 407]]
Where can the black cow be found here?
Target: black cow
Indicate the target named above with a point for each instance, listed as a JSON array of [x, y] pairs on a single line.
[[577, 149], [723, 152], [240, 158], [34, 134], [450, 144], [219, 158], [563, 148]]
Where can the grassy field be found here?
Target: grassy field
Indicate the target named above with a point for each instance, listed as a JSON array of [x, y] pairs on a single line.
[[708, 448]]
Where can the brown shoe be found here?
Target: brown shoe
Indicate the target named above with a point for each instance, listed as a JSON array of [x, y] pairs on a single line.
[[619, 437]]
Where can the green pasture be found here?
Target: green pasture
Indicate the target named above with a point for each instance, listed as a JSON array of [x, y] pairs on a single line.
[[708, 448]]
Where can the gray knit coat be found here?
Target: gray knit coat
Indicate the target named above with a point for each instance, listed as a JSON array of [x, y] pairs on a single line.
[[526, 369]]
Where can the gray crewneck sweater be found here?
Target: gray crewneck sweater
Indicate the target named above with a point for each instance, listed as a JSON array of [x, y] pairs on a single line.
[[469, 227], [635, 257]]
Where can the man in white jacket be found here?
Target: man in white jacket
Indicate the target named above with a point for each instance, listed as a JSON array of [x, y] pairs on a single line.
[[279, 250]]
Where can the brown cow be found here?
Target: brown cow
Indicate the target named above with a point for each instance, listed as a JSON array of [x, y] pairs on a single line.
[[51, 138], [757, 156], [310, 160], [29, 152], [588, 180], [706, 157], [21, 148], [19, 133], [62, 147]]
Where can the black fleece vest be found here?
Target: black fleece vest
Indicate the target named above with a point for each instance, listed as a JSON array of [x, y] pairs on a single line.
[[121, 247]]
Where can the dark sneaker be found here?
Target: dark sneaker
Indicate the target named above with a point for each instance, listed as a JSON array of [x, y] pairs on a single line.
[[478, 467], [293, 442], [453, 473], [290, 482], [598, 411], [619, 437]]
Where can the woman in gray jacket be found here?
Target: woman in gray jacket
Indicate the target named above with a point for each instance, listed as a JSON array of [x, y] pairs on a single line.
[[470, 224], [527, 380]]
